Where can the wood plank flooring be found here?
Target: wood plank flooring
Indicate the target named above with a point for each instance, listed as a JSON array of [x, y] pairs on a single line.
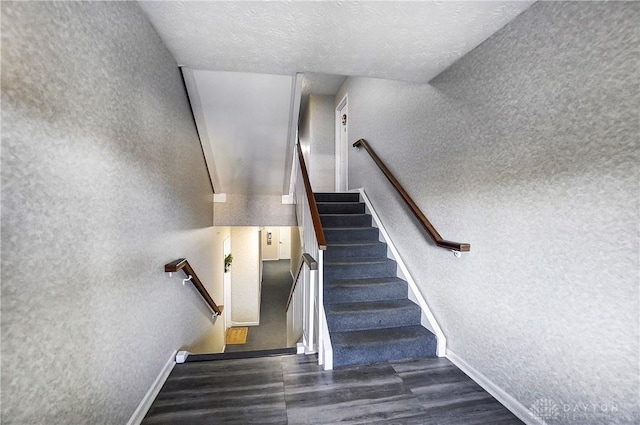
[[295, 390]]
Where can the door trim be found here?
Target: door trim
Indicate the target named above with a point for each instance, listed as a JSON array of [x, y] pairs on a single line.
[[342, 149]]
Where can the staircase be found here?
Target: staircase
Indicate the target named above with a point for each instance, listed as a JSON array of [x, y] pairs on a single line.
[[369, 316]]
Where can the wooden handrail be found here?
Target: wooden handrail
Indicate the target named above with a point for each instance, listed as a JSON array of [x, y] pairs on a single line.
[[315, 215], [456, 246], [183, 264], [313, 265]]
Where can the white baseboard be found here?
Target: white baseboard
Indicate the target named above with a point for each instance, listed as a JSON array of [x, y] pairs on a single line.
[[234, 324], [152, 393], [497, 392], [428, 319]]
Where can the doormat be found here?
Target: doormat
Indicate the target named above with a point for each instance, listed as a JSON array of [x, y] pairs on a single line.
[[237, 336]]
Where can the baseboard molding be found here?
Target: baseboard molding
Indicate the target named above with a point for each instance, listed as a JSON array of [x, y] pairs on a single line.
[[414, 292], [497, 392], [152, 393], [241, 355], [235, 324]]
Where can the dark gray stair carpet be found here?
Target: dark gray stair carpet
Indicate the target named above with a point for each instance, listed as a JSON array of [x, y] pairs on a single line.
[[350, 235], [358, 249], [340, 207], [369, 316]]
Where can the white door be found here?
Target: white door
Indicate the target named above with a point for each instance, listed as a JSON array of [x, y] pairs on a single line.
[[285, 243], [342, 145], [226, 285]]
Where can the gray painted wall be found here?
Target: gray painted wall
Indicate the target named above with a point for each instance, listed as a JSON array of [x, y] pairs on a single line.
[[527, 148], [317, 135], [103, 182], [254, 210]]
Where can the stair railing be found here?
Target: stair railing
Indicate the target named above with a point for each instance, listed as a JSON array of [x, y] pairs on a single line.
[[311, 200], [183, 264], [301, 306], [456, 247], [313, 243]]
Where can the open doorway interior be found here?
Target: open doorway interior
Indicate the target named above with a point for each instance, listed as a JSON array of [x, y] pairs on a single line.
[[260, 278]]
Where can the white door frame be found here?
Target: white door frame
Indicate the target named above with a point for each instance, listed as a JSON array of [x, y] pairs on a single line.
[[342, 146]]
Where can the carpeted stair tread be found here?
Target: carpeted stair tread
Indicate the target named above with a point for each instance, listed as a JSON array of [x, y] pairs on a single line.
[[357, 290], [368, 306], [355, 244], [358, 260], [337, 197], [340, 207], [347, 268], [375, 345], [372, 315], [351, 234], [373, 249], [345, 220]]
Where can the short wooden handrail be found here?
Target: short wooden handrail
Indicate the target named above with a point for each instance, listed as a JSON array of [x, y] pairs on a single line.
[[455, 246], [183, 264], [313, 265], [315, 215]]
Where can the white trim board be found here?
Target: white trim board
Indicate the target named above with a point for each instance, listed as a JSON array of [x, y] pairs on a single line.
[[238, 324], [429, 320], [341, 181], [201, 127], [517, 408], [148, 399]]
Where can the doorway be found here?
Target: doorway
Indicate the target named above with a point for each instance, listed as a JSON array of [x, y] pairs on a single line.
[[261, 298], [342, 148]]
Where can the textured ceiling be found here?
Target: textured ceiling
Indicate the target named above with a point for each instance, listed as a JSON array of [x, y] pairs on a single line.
[[321, 83], [312, 83], [325, 40], [411, 41]]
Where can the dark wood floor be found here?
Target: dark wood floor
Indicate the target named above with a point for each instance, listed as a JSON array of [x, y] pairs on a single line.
[[295, 390]]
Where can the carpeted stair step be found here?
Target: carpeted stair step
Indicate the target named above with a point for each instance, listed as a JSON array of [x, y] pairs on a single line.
[[345, 220], [362, 290], [350, 234], [372, 315], [337, 197], [369, 315], [347, 268], [340, 207], [374, 249], [375, 345]]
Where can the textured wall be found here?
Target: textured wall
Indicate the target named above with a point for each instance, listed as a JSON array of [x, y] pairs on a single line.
[[245, 275], [214, 340], [317, 136], [254, 210], [103, 182], [527, 148]]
